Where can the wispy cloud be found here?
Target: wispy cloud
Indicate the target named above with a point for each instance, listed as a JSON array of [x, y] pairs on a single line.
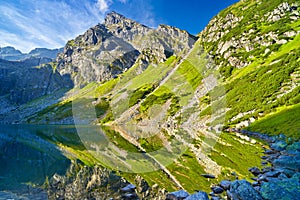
[[103, 5], [27, 24], [46, 23]]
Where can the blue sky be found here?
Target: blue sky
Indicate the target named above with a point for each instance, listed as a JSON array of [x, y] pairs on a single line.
[[27, 24]]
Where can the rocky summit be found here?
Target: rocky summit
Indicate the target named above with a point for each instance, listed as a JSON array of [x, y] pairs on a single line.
[[109, 49]]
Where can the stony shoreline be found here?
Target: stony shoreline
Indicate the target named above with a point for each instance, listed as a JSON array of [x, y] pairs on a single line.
[[279, 179]]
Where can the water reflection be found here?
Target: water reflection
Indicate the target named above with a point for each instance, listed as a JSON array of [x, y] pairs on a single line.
[[30, 153], [132, 148], [26, 158]]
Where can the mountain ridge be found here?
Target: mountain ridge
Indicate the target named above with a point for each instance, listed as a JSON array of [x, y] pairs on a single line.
[[12, 54]]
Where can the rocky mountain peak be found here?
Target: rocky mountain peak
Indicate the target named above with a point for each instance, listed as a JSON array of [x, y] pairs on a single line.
[[108, 49], [114, 18]]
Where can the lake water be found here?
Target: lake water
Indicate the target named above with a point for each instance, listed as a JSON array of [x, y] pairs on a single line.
[[32, 153]]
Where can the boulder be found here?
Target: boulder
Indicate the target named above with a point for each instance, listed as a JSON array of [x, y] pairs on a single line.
[[177, 195], [255, 171], [293, 148], [241, 190], [216, 198], [282, 176], [288, 172], [279, 145], [198, 196], [268, 151], [272, 174], [217, 189], [225, 184], [283, 189], [261, 178], [130, 196], [264, 163], [128, 188], [208, 176], [289, 162], [266, 169], [254, 184]]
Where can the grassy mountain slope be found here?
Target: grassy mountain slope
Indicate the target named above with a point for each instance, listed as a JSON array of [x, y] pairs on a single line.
[[255, 45]]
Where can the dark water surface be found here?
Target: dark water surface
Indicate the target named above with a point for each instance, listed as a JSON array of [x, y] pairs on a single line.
[[27, 158]]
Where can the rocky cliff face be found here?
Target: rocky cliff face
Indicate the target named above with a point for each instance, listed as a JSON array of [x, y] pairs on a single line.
[[109, 49], [22, 82]]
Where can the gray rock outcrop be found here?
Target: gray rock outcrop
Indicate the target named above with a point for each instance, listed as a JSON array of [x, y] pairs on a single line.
[[109, 49]]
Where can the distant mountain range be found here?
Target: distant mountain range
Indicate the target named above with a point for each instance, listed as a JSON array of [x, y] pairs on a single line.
[[12, 54]]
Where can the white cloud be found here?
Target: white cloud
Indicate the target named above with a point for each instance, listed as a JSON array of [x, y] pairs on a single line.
[[45, 23], [103, 5], [10, 39], [27, 24]]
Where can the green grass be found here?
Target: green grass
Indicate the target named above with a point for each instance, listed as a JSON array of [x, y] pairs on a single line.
[[119, 141], [285, 121], [153, 74], [191, 73], [262, 62], [158, 97], [258, 89], [238, 157], [151, 144], [140, 93], [54, 112], [156, 177], [106, 87], [187, 170], [102, 107]]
